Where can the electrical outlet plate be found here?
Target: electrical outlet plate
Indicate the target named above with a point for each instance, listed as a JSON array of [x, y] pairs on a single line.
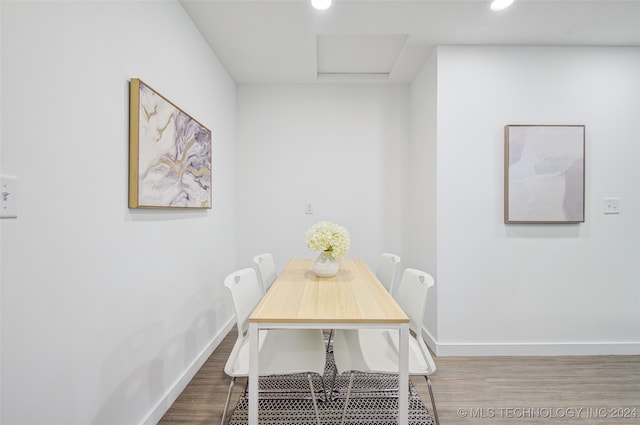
[[611, 205], [8, 196]]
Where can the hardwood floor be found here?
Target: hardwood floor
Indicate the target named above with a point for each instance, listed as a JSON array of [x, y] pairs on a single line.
[[473, 390]]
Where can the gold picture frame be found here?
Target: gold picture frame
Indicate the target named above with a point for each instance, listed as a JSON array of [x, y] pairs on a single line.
[[544, 178], [169, 153]]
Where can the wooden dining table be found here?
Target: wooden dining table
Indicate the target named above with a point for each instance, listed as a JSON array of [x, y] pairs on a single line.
[[354, 298]]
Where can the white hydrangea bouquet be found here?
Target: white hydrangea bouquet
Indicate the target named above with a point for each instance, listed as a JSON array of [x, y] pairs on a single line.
[[328, 237]]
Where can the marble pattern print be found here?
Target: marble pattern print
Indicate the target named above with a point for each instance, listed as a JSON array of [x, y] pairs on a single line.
[[174, 155]]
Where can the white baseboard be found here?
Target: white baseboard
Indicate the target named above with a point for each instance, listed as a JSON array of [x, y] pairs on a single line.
[[531, 349], [176, 389]]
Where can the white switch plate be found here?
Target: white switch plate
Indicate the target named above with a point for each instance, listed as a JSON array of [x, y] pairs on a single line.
[[612, 205], [8, 196], [308, 208]]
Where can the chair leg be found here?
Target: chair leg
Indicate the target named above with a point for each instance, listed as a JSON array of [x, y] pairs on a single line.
[[329, 350], [226, 404], [333, 381], [324, 389], [346, 401], [313, 397], [433, 402]]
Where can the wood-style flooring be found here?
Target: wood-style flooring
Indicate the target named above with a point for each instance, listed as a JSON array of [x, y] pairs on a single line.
[[473, 390]]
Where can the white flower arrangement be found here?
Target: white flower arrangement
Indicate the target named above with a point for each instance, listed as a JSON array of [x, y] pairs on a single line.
[[329, 237]]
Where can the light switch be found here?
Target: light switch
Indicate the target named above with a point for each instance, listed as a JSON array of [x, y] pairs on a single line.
[[8, 196], [308, 208], [611, 205]]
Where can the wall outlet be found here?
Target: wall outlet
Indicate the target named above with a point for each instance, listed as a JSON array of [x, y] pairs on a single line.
[[8, 197], [611, 205], [308, 208]]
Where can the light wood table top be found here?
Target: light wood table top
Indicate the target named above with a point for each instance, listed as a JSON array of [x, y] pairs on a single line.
[[354, 295]]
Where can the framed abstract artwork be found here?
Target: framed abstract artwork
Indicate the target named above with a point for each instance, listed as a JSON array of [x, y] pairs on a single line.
[[544, 174], [169, 153]]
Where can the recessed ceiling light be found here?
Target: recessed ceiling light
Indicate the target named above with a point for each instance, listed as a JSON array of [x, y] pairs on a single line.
[[500, 4], [321, 4]]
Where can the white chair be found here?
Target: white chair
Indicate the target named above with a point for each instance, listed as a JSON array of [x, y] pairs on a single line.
[[386, 270], [376, 350], [266, 269], [281, 351]]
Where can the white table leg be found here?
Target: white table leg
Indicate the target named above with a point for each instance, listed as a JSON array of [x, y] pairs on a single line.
[[403, 394], [253, 373]]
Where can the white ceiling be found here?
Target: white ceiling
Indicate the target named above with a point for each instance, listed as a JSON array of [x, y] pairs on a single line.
[[265, 42]]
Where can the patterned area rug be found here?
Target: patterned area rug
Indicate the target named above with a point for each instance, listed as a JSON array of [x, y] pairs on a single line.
[[287, 400]]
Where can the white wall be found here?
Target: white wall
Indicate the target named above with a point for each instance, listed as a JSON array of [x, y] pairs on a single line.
[[105, 310], [340, 147], [536, 289], [420, 205]]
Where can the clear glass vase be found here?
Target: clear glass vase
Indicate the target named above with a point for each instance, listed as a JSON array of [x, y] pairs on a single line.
[[325, 265]]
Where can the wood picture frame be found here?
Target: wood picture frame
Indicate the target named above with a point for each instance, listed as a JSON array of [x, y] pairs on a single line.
[[544, 179], [169, 153]]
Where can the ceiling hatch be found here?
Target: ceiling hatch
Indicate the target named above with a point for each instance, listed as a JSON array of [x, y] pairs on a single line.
[[357, 56]]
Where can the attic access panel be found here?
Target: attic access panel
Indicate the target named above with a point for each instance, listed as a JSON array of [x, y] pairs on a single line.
[[357, 55]]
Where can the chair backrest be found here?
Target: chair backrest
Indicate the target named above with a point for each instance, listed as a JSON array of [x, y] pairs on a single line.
[[245, 292], [411, 295], [267, 270], [386, 270]]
